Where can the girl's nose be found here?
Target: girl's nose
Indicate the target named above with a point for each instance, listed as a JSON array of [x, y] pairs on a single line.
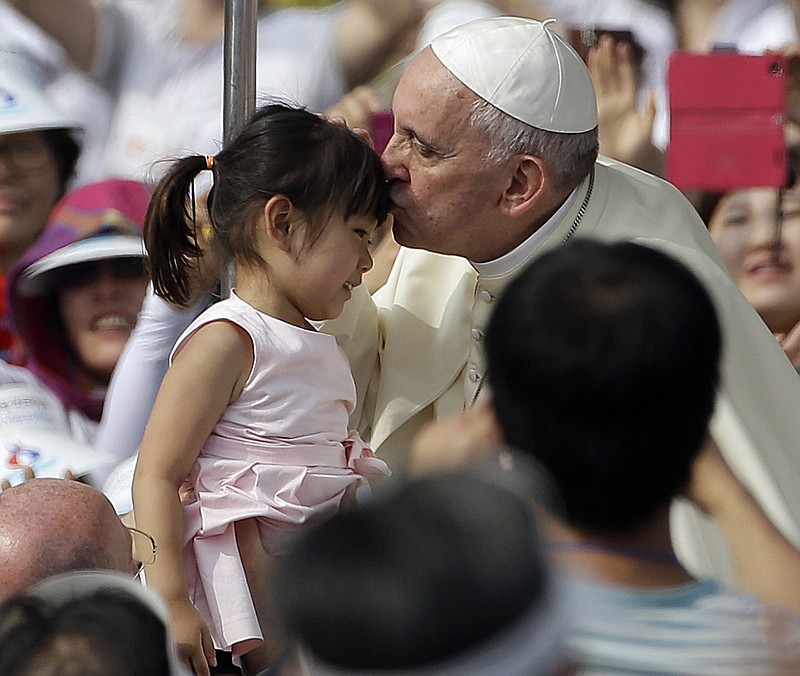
[[365, 260]]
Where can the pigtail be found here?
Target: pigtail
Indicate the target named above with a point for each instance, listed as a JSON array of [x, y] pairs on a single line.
[[170, 232]]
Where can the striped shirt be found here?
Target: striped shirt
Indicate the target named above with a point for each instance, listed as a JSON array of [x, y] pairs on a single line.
[[698, 628]]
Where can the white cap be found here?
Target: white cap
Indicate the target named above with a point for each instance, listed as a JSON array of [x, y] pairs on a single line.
[[34, 433], [523, 68], [33, 281], [24, 105]]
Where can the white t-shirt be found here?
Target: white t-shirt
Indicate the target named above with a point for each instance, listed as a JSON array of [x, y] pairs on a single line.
[[169, 94], [774, 28]]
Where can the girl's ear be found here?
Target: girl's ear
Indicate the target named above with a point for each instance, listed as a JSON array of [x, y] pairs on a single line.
[[278, 212]]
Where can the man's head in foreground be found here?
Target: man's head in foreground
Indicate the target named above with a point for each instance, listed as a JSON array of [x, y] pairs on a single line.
[[604, 363], [51, 526]]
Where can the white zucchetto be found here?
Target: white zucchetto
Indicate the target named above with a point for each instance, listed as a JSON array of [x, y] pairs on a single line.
[[523, 68]]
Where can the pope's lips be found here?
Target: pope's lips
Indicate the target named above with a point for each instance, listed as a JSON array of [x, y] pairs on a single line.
[[394, 189], [398, 213]]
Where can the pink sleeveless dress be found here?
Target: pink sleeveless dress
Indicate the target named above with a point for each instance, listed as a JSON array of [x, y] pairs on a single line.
[[281, 453]]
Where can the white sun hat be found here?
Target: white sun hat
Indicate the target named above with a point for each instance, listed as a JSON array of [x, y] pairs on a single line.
[[33, 281], [24, 104], [523, 68]]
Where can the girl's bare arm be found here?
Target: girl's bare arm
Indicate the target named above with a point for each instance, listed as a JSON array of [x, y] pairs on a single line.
[[207, 374]]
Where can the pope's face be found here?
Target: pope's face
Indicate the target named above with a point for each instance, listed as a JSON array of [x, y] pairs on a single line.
[[444, 192]]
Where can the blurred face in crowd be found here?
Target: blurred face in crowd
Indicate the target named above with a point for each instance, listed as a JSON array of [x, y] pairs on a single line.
[[29, 187], [743, 226], [99, 307]]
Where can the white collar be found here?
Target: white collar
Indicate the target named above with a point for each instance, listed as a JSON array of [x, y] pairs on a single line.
[[508, 262]]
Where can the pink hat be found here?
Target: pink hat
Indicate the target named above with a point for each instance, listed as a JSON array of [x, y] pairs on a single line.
[[97, 221]]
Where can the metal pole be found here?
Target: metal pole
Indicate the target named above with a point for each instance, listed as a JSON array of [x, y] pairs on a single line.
[[241, 20], [239, 73]]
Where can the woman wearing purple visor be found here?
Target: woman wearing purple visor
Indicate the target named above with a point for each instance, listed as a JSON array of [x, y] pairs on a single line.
[[74, 297]]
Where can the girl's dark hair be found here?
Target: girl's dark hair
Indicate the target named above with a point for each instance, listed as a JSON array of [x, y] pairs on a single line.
[[65, 150], [321, 167]]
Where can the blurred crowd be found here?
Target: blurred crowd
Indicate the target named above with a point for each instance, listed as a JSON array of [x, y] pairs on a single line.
[[510, 539]]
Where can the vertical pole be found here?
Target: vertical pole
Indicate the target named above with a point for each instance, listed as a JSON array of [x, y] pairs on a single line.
[[239, 73]]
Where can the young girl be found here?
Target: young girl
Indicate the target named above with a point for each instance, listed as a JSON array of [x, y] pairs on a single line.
[[248, 437]]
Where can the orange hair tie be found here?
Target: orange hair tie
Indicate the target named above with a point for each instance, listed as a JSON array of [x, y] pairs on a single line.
[[209, 162]]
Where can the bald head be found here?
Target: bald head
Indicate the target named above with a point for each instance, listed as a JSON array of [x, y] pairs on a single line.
[[50, 526]]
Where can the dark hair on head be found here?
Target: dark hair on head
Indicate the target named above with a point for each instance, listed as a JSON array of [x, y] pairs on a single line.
[[418, 575], [321, 167], [65, 151], [108, 632], [604, 365]]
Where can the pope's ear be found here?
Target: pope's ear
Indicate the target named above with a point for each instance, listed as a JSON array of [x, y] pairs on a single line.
[[528, 179], [278, 212]]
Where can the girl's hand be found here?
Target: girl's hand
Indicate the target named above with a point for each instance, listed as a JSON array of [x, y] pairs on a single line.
[[191, 637], [353, 110]]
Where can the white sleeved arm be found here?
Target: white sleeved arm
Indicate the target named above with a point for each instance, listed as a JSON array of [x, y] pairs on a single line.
[[139, 373]]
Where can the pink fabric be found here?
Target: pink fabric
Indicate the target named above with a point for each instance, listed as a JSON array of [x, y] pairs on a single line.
[[281, 453]]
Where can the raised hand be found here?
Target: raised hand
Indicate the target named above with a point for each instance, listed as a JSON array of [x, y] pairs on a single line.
[[625, 132]]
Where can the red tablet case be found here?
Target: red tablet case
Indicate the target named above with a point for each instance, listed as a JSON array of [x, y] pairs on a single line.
[[727, 115]]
